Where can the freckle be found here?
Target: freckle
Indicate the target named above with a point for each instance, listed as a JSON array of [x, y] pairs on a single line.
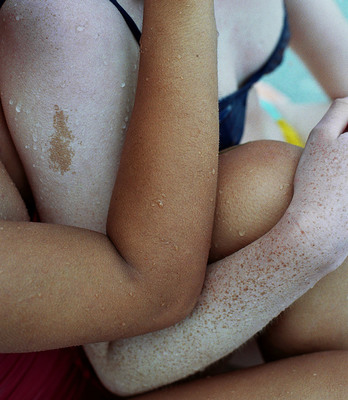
[[61, 152]]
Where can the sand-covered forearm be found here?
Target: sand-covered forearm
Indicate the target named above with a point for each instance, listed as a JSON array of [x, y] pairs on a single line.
[[245, 291]]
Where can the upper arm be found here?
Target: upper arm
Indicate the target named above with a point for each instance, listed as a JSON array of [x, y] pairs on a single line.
[[319, 35]]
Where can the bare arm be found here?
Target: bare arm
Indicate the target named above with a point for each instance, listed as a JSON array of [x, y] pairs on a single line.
[[164, 198], [63, 286], [319, 35], [245, 291]]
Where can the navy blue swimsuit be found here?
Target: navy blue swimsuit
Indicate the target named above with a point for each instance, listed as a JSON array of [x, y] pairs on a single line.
[[232, 109]]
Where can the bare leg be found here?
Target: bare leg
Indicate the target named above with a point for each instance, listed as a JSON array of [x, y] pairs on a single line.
[[318, 376], [255, 189], [318, 321], [79, 63]]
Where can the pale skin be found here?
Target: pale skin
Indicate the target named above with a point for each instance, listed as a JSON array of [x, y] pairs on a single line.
[[93, 284], [286, 196]]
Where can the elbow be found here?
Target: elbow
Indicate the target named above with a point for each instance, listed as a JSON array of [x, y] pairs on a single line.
[[179, 296]]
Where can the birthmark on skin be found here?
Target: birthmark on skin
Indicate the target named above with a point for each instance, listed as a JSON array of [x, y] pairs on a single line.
[[61, 152]]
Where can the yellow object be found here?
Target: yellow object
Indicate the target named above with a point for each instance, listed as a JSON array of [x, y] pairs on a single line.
[[290, 134]]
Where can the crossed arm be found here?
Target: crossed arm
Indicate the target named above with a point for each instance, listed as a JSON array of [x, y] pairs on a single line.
[[63, 286], [246, 290]]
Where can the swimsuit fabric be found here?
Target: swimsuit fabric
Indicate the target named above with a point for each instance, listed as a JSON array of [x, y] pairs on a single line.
[[232, 108]]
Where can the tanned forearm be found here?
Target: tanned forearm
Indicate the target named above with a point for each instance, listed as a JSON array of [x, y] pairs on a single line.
[[164, 197], [64, 286]]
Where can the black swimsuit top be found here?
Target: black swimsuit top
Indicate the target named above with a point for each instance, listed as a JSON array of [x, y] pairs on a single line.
[[232, 109]]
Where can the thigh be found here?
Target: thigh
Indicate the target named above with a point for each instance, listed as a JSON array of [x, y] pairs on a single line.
[[68, 75], [255, 187], [318, 321], [318, 376]]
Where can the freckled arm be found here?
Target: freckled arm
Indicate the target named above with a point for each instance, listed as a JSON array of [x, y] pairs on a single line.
[[241, 295], [246, 290]]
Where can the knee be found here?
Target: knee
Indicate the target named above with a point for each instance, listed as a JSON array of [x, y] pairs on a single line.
[[255, 189]]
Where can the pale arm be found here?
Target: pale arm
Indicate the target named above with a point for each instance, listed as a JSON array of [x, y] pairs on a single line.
[[319, 34], [245, 291]]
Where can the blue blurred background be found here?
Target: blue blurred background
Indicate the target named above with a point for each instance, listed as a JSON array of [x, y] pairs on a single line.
[[293, 79]]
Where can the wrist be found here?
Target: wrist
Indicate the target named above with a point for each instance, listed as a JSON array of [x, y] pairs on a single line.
[[301, 228]]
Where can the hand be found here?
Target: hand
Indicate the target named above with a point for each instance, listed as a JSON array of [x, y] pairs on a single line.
[[321, 185]]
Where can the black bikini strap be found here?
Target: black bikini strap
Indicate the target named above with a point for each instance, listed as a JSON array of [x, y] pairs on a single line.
[[131, 24]]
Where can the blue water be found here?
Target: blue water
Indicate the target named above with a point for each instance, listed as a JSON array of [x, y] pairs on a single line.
[[293, 78]]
